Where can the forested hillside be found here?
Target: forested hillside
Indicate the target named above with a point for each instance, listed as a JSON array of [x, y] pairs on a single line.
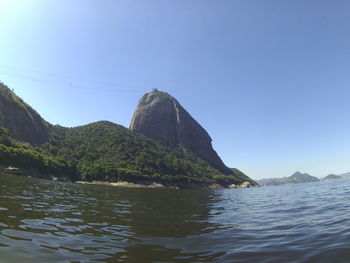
[[100, 151]]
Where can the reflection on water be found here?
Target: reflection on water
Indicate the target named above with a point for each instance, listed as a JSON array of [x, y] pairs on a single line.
[[64, 221], [43, 221]]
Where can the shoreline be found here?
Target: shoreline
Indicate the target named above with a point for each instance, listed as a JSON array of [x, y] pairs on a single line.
[[155, 185], [31, 173], [168, 185]]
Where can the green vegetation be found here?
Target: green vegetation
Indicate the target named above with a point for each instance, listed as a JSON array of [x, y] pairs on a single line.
[[240, 175], [108, 152], [7, 94], [5, 138], [100, 151], [22, 155]]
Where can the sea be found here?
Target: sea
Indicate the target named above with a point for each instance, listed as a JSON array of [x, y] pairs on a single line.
[[47, 221]]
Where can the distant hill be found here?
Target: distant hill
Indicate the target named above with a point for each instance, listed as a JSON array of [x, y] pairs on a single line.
[[345, 175], [296, 178], [271, 181], [299, 178], [337, 176], [331, 177]]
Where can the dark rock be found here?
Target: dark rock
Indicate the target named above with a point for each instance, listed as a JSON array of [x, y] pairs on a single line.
[[23, 123], [13, 170], [159, 116]]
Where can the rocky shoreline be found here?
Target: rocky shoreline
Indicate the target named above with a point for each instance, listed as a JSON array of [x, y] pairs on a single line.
[[157, 185], [124, 184]]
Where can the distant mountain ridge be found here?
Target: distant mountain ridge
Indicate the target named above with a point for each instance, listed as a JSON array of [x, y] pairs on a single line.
[[345, 175], [296, 178], [336, 176], [331, 177]]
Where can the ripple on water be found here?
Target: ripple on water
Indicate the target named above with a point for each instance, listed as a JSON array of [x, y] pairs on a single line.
[[49, 222], [37, 224]]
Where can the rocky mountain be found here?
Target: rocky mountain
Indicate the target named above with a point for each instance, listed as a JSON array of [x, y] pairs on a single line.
[[331, 177], [160, 116], [104, 151], [23, 122], [296, 178]]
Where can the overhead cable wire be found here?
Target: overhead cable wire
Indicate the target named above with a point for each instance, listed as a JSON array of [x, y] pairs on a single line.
[[41, 77]]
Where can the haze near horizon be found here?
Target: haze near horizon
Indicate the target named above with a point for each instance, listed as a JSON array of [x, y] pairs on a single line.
[[268, 80]]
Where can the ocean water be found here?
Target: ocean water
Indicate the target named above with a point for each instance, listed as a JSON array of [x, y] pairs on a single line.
[[44, 221]]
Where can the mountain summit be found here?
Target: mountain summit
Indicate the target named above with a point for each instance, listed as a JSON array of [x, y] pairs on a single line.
[[160, 116]]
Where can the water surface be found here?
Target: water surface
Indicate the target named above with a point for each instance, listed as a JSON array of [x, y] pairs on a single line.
[[44, 221]]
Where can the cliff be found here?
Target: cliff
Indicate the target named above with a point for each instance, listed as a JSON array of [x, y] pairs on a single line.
[[159, 116], [23, 123]]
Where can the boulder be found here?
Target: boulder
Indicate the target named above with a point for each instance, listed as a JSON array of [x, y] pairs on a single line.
[[245, 185]]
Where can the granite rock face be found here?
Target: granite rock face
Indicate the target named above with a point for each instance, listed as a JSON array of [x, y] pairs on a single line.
[[23, 123], [159, 116]]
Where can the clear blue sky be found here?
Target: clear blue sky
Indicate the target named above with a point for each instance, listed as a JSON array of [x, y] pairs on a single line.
[[269, 80]]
